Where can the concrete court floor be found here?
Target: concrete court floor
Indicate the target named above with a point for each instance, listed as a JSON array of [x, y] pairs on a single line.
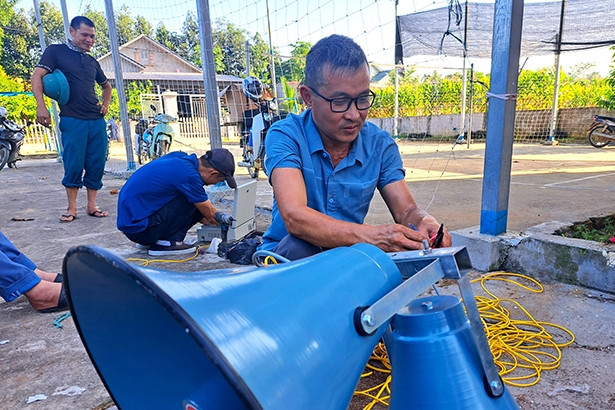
[[548, 183]]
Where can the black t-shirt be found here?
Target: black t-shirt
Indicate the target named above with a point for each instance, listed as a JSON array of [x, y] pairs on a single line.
[[81, 71]]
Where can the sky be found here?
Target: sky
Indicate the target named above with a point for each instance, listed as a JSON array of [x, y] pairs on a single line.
[[369, 22]]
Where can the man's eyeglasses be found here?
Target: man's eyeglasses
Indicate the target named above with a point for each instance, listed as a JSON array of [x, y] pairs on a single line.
[[342, 104]]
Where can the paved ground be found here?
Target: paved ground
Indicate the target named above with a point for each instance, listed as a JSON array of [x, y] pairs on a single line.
[[548, 183]]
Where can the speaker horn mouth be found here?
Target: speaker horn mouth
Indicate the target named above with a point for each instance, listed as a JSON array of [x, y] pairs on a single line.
[[159, 313], [228, 338]]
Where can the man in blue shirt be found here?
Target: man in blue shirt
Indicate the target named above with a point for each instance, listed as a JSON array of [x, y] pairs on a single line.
[[84, 133], [326, 163], [163, 199]]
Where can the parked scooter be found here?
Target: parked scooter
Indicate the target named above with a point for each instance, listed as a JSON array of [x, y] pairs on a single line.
[[143, 129], [154, 142], [11, 139], [256, 123], [602, 131]]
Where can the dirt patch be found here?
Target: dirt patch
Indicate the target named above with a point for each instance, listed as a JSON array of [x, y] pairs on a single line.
[[598, 229]]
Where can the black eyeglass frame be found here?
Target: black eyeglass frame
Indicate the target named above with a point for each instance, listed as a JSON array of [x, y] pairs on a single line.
[[371, 94]]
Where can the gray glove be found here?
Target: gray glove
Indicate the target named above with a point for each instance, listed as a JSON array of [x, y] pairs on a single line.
[[223, 218]]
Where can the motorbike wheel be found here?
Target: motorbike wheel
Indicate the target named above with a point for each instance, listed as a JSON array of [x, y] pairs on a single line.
[[162, 148], [248, 158], [141, 157], [4, 156], [596, 140]]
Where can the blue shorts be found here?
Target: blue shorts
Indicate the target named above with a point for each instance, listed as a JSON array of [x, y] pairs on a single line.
[[85, 152]]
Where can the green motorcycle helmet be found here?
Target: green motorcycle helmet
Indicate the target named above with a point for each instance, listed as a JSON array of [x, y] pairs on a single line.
[[55, 86]]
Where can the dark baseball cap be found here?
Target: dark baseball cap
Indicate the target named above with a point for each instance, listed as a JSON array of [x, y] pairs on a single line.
[[224, 162]]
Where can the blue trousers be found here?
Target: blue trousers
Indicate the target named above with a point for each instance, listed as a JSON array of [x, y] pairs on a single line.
[[169, 223], [16, 271], [293, 248], [85, 152]]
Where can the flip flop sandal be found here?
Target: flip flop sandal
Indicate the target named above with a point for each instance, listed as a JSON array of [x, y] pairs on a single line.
[[62, 303], [68, 218], [98, 214]]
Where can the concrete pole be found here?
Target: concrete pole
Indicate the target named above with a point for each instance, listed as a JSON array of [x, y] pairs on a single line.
[[396, 114], [247, 58], [464, 82], [558, 49], [505, 53], [272, 61], [119, 86], [209, 74], [54, 105], [65, 18], [471, 110]]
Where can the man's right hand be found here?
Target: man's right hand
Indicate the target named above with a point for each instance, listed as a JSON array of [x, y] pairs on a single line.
[[397, 238], [42, 116]]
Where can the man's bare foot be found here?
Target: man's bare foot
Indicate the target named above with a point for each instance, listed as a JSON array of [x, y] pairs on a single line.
[[44, 295], [48, 276]]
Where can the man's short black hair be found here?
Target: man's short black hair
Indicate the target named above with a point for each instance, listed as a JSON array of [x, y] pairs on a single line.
[[340, 52], [76, 22]]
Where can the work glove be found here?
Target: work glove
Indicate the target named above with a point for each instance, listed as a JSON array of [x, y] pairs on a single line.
[[223, 218]]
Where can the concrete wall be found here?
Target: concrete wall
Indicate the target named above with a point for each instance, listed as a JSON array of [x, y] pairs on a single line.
[[540, 254], [574, 122]]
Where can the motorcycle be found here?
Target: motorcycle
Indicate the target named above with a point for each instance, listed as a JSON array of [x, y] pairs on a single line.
[[11, 139], [255, 126], [153, 141], [602, 131], [142, 126]]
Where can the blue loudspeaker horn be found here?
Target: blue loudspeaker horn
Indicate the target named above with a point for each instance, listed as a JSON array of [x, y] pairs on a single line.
[[435, 361], [281, 337]]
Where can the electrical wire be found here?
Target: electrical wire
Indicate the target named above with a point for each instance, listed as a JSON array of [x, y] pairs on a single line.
[[522, 348], [147, 262], [268, 257]]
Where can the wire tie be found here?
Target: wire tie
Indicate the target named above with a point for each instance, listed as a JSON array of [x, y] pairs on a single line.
[[57, 321], [501, 96]]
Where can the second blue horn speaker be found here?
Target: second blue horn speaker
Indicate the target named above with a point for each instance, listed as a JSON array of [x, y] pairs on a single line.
[[280, 337]]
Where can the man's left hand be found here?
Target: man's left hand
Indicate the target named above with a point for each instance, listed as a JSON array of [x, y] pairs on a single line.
[[104, 109]]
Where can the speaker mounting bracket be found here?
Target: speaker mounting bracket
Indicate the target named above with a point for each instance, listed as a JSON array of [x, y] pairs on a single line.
[[423, 269]]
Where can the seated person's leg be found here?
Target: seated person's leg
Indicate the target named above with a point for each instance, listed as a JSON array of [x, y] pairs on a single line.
[[293, 248]]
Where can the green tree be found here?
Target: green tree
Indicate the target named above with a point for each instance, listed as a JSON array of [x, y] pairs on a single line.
[[19, 106], [6, 15], [607, 97], [259, 59], [293, 69], [535, 89], [190, 46], [142, 26], [53, 23], [231, 42], [125, 25], [167, 38], [20, 49]]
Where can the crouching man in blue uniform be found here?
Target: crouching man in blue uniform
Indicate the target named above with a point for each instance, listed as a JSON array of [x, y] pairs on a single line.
[[163, 199]]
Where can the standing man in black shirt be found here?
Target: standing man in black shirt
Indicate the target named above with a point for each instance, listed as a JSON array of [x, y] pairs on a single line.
[[82, 118]]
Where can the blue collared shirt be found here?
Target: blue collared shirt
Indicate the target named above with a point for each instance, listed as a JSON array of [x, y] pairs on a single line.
[[343, 192]]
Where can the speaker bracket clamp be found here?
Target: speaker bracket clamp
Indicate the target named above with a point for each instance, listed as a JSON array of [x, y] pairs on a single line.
[[422, 270]]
